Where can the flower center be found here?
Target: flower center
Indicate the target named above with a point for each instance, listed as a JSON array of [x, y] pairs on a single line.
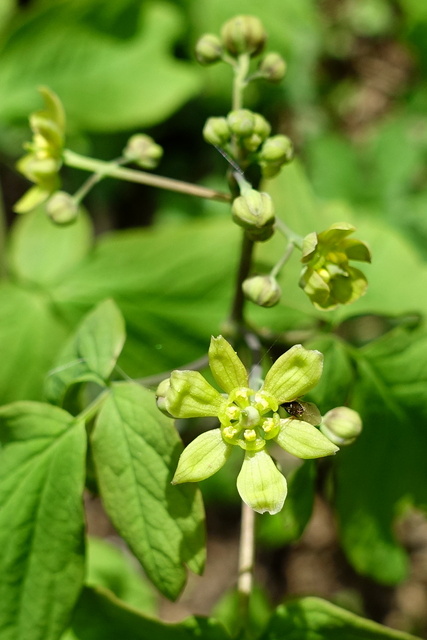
[[248, 418]]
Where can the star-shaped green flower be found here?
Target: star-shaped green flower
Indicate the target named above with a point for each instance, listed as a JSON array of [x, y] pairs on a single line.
[[249, 418], [327, 277]]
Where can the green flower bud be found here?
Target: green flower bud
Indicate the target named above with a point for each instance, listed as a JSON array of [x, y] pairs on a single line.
[[277, 149], [254, 211], [209, 49], [161, 396], [61, 208], [272, 67], [341, 425], [216, 131], [244, 34], [142, 150], [262, 290], [261, 126], [241, 122]]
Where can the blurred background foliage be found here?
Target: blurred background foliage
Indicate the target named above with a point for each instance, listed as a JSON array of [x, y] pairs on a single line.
[[354, 101]]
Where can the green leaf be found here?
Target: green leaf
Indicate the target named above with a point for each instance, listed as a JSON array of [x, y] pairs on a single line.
[[333, 388], [100, 616], [384, 471], [42, 475], [289, 524], [316, 619], [91, 353], [117, 70], [136, 450], [43, 253], [172, 284], [113, 568], [30, 334]]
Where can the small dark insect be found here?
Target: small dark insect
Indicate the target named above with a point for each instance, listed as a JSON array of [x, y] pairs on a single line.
[[294, 408]]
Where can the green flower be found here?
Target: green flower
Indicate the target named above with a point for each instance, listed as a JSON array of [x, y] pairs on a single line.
[[327, 277], [249, 419], [44, 158]]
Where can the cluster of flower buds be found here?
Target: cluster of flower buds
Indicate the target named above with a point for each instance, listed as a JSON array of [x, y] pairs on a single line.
[[251, 133], [242, 35], [143, 151], [327, 277], [44, 158]]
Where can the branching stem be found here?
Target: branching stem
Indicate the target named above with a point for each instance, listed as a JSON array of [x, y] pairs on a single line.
[[104, 169]]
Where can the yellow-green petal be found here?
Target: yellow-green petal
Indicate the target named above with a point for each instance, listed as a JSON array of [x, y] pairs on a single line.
[[202, 458], [227, 368], [295, 373], [260, 484], [303, 440], [191, 396]]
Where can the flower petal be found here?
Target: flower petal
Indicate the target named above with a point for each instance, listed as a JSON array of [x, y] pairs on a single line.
[[227, 368], [309, 246], [191, 396], [260, 484], [303, 440], [202, 458], [294, 374], [356, 250], [335, 233]]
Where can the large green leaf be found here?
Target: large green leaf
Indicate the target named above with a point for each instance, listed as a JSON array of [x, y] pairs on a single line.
[[111, 65], [42, 253], [136, 450], [42, 474], [100, 616], [91, 353], [30, 334], [113, 568], [316, 619], [385, 470], [173, 286]]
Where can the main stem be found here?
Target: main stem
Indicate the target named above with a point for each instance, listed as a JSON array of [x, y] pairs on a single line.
[[236, 315], [246, 560], [112, 170]]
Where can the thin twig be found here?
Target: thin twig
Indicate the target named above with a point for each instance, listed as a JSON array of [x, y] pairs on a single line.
[[111, 170]]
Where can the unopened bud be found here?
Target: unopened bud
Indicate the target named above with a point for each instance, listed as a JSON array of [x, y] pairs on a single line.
[[244, 34], [216, 131], [143, 150], [62, 208], [241, 122], [161, 393], [341, 425], [254, 210], [262, 290], [261, 126], [272, 67], [209, 49], [277, 149]]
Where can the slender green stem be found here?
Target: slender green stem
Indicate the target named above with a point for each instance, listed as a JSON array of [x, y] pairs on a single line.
[[290, 235], [88, 184], [240, 80], [246, 560], [111, 170], [283, 260], [92, 409], [236, 315]]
